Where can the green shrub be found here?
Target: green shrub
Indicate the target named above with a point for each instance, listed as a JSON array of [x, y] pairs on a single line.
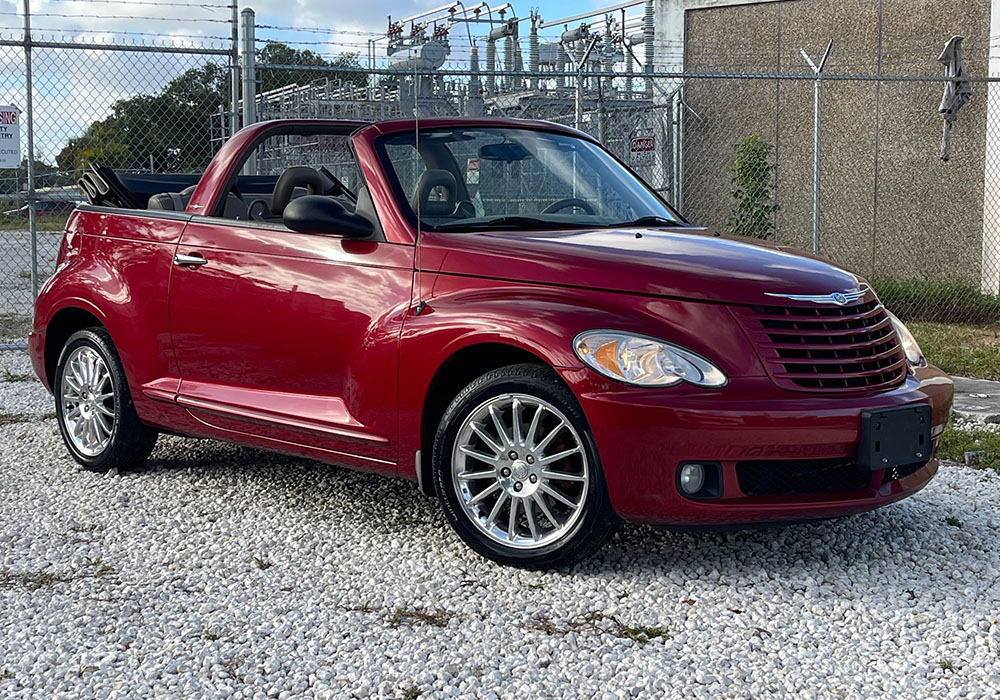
[[752, 181], [943, 302]]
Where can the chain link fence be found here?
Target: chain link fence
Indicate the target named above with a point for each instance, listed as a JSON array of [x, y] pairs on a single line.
[[133, 108], [732, 152]]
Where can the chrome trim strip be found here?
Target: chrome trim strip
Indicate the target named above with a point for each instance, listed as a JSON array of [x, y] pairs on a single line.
[[836, 298]]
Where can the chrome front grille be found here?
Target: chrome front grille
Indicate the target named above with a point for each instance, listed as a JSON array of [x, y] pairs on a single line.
[[827, 348]]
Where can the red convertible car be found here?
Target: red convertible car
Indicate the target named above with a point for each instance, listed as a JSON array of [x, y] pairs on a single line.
[[499, 310]]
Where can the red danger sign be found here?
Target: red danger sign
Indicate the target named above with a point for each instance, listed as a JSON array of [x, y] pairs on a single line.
[[642, 144]]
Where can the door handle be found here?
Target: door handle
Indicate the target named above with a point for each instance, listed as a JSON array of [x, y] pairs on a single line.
[[192, 260]]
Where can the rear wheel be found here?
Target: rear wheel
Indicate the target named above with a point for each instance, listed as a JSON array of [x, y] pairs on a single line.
[[94, 408], [517, 472]]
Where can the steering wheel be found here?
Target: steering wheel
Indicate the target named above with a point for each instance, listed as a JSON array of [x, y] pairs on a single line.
[[568, 203]]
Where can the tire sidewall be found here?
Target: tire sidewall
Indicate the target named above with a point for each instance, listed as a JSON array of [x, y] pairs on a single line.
[[93, 340], [489, 386]]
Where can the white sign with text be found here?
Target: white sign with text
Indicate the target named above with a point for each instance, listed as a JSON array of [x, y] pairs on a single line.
[[10, 137]]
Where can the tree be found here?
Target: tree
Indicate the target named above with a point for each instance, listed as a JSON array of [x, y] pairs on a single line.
[[752, 177], [172, 129], [277, 54]]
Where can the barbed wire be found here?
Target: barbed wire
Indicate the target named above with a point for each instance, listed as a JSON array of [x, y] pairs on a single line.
[[155, 3]]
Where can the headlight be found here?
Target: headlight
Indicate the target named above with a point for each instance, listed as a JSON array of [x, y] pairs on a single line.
[[910, 347], [636, 359]]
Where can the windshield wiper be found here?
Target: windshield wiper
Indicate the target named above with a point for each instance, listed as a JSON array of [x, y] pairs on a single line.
[[501, 222], [647, 221]]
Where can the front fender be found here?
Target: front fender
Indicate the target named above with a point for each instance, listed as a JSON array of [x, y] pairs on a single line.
[[543, 320]]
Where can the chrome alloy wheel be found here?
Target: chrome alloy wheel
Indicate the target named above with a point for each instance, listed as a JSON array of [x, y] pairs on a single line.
[[520, 471], [88, 401]]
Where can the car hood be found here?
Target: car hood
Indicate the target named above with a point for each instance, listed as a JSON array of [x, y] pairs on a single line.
[[686, 263]]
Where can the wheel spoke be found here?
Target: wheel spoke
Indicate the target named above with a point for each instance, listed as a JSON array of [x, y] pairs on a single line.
[[490, 442], [540, 447], [515, 418], [473, 476], [533, 428], [496, 509], [102, 423], [545, 509], [529, 513], [499, 426], [492, 488], [105, 410], [556, 495], [562, 476], [512, 520], [559, 455], [469, 452], [105, 396]]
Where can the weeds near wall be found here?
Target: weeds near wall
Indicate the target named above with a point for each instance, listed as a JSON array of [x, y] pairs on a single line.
[[753, 189]]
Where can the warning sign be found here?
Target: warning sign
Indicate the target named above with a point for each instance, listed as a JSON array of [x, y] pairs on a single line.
[[472, 171], [642, 149], [10, 137]]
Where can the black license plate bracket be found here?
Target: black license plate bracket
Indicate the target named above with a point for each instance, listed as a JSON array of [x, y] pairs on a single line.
[[894, 437]]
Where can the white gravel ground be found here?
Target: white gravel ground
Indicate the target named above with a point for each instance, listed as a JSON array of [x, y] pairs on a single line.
[[219, 571]]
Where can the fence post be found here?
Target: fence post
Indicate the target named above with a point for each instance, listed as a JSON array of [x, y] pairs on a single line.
[[30, 127], [234, 82], [817, 124], [249, 81]]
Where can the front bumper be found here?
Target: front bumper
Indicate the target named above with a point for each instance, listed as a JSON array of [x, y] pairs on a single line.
[[642, 436]]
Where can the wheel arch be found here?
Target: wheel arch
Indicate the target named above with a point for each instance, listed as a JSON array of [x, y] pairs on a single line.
[[453, 375], [64, 323]]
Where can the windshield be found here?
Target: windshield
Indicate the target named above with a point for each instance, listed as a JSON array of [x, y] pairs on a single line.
[[456, 179]]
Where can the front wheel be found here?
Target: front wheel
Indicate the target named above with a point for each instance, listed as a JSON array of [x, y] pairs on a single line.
[[517, 472], [94, 408]]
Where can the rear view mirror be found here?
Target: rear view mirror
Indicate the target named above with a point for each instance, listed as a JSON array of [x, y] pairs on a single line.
[[507, 152], [314, 213]]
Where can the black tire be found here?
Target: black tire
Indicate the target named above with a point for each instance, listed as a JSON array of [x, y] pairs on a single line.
[[130, 441], [596, 522]]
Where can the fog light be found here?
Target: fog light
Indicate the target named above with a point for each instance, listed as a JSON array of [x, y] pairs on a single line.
[[692, 478]]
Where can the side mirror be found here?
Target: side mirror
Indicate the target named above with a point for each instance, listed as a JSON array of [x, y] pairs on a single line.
[[314, 213]]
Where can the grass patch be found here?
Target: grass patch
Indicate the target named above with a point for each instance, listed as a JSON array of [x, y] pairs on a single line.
[[6, 674], [946, 665], [966, 350], [411, 693], [640, 634], [261, 563], [941, 302], [404, 616], [44, 223], [32, 580], [986, 445], [14, 326], [11, 418], [98, 567], [9, 376]]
